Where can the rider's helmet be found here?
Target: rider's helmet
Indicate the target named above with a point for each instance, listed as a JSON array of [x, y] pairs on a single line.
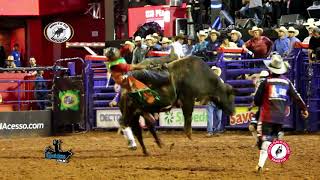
[[112, 53]]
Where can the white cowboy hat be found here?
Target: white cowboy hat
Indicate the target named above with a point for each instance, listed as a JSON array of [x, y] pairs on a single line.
[[137, 38], [202, 33], [264, 73], [10, 58], [213, 31], [216, 70], [295, 31], [155, 35], [236, 32], [282, 29], [276, 64], [310, 22], [165, 40], [129, 43], [149, 37], [255, 28]]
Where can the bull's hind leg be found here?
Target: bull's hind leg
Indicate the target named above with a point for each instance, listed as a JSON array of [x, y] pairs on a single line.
[[137, 131], [153, 131], [187, 109]]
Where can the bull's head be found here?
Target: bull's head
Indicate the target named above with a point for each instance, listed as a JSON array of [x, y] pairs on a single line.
[[225, 100]]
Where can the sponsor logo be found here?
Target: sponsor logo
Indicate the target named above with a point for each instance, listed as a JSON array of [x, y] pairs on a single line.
[[5, 126], [69, 100], [242, 116], [175, 118], [279, 151], [58, 32], [57, 153]]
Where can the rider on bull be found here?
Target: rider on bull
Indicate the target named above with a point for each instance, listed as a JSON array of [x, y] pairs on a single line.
[[123, 74]]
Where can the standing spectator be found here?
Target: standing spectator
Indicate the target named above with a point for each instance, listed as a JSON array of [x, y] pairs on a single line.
[[259, 45], [139, 52], [2, 56], [39, 94], [255, 8], [314, 46], [33, 63], [213, 45], [165, 44], [292, 33], [281, 45], [214, 113], [177, 46], [150, 45], [201, 46], [189, 47], [156, 39], [310, 25], [16, 55], [272, 97], [10, 62], [236, 38]]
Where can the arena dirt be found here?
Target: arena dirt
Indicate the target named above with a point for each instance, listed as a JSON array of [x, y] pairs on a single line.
[[103, 155]]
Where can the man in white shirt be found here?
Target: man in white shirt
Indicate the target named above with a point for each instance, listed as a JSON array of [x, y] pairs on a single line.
[[177, 46]]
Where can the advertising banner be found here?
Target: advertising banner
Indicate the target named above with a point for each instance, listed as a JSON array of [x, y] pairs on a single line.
[[25, 123], [174, 118]]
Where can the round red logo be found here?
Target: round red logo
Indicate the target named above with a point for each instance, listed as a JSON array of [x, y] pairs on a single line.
[[279, 151]]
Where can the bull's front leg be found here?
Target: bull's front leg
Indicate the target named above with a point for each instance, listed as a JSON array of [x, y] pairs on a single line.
[[187, 109]]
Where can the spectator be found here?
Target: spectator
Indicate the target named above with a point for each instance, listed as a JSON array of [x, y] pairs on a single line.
[[177, 45], [214, 125], [255, 8], [10, 62], [156, 39], [16, 55], [39, 94], [259, 45], [310, 25], [236, 38], [292, 33], [33, 63], [201, 46], [189, 47], [314, 46], [226, 43], [281, 45], [2, 56], [213, 45], [127, 51], [165, 44], [139, 52], [150, 45]]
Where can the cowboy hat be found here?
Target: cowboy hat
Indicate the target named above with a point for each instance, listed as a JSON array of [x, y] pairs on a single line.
[[202, 33], [149, 37], [282, 29], [310, 22], [295, 31], [276, 65], [129, 43], [213, 31], [264, 73], [137, 38], [236, 32], [156, 36], [255, 28], [10, 58], [165, 40], [180, 36], [216, 70]]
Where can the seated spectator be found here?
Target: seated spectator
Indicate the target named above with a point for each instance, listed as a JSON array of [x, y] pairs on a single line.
[[314, 46], [177, 45], [10, 62], [156, 38], [281, 45], [40, 95], [227, 44], [236, 38], [213, 45], [201, 47], [292, 33], [310, 25], [139, 51], [189, 47], [165, 44], [260, 46]]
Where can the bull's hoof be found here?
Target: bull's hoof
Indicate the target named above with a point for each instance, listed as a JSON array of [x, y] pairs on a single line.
[[146, 153], [160, 144], [189, 136]]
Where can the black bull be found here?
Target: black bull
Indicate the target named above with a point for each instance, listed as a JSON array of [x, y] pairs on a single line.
[[190, 78]]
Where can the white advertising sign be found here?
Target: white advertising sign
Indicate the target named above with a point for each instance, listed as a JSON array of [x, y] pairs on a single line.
[[108, 118]]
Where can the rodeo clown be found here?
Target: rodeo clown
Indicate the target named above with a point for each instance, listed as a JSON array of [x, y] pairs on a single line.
[[272, 98], [127, 74]]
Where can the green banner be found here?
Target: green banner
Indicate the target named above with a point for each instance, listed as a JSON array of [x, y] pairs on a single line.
[[69, 100]]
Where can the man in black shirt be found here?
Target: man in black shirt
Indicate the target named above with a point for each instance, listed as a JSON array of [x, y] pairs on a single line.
[[314, 46]]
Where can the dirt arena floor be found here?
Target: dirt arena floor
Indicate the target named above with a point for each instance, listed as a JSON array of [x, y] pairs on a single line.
[[103, 155]]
